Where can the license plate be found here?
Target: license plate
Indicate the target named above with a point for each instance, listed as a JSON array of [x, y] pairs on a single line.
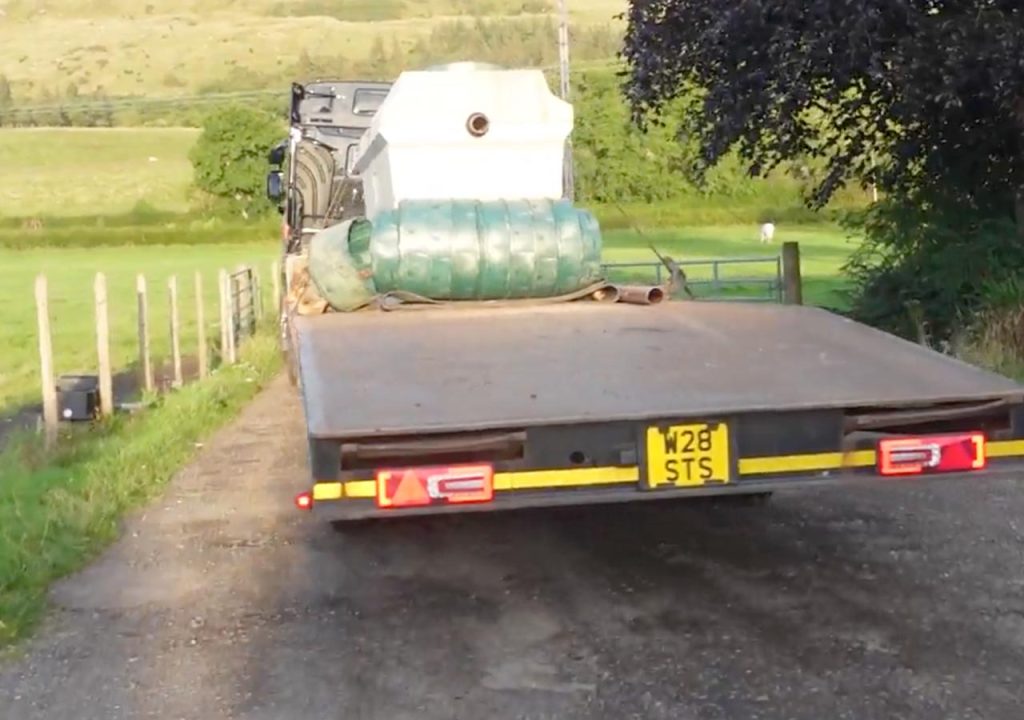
[[689, 455]]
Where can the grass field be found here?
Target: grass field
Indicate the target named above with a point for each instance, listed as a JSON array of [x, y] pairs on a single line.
[[151, 48], [823, 249], [70, 274], [97, 171]]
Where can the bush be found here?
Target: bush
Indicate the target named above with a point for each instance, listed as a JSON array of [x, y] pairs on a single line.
[[616, 163], [230, 157], [927, 267], [996, 337]]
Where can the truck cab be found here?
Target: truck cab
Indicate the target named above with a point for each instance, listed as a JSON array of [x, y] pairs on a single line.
[[311, 178]]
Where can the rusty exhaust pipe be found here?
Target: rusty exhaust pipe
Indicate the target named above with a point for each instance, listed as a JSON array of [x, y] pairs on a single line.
[[641, 294], [608, 293]]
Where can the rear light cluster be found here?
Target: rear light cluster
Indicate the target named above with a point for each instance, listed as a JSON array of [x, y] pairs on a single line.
[[416, 487], [419, 486], [932, 454]]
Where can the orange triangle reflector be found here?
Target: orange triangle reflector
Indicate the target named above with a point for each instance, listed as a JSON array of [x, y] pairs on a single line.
[[409, 491]]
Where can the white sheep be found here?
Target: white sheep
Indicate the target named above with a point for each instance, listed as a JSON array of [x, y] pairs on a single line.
[[767, 232]]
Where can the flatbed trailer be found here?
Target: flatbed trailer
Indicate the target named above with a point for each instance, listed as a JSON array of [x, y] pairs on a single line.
[[472, 407]]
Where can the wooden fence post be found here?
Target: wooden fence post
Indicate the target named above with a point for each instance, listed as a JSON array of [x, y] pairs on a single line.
[[222, 292], [46, 363], [172, 291], [245, 298], [145, 361], [257, 294], [792, 284], [233, 324], [103, 345], [204, 368], [250, 292], [228, 318]]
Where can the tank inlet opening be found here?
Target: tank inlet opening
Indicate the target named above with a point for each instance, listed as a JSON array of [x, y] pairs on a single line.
[[477, 124]]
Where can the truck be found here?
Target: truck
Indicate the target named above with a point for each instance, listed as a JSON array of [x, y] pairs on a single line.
[[456, 400]]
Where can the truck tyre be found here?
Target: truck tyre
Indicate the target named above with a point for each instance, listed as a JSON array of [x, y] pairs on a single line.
[[285, 346], [314, 181], [291, 365], [293, 374]]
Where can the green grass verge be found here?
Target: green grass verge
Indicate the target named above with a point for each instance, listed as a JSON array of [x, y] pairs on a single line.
[[70, 274], [56, 515]]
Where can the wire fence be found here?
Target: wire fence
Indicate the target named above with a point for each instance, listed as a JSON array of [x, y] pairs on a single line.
[[87, 396], [740, 279]]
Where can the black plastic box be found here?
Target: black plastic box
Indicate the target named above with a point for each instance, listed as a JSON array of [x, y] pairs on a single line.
[[78, 397]]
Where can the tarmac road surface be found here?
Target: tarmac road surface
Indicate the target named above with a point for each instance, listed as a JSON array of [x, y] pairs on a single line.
[[221, 601]]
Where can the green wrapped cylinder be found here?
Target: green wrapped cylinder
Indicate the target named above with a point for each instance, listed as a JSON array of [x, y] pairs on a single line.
[[459, 250], [340, 264]]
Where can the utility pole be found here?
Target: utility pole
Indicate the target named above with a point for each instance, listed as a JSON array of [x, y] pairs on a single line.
[[563, 47], [563, 68]]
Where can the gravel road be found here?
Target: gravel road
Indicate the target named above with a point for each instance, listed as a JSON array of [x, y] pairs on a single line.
[[221, 601]]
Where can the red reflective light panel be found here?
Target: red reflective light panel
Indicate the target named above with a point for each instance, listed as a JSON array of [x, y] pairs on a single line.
[[304, 501], [415, 487], [931, 454]]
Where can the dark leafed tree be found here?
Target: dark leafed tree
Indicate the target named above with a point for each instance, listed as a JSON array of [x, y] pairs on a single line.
[[924, 97]]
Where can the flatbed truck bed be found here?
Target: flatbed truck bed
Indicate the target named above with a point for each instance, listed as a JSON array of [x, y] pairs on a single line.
[[592, 402]]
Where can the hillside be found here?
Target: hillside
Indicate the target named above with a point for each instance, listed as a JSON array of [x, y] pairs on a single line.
[[59, 48]]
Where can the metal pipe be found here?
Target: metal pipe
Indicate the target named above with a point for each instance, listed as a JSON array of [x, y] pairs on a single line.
[[609, 293], [641, 294]]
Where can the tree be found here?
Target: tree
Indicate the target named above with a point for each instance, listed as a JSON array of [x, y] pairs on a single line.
[[918, 95], [613, 162], [925, 98], [229, 158]]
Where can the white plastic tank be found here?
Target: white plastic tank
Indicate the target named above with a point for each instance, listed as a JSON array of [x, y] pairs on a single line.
[[465, 131]]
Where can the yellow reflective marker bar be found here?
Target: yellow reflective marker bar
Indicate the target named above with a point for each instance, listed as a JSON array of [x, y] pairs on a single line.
[[578, 477], [327, 491], [528, 480], [806, 463], [597, 476], [1004, 448]]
